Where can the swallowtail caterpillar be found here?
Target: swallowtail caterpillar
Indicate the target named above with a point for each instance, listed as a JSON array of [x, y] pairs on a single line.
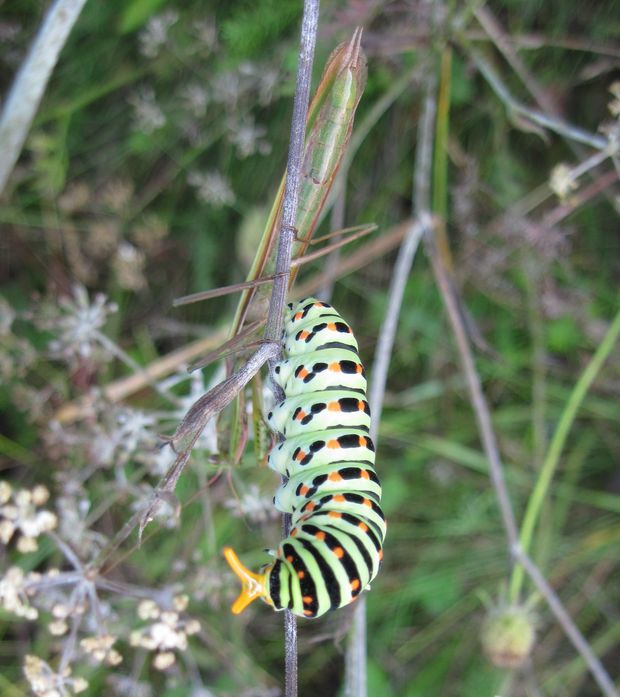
[[331, 489]]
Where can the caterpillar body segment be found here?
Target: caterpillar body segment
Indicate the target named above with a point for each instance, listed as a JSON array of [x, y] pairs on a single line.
[[319, 333], [347, 477], [318, 411], [309, 450], [324, 369], [335, 546]]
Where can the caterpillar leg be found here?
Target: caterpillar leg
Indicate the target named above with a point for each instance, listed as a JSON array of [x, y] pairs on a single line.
[[252, 585]]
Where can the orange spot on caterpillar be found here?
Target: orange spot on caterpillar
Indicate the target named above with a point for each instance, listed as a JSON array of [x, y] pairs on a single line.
[[310, 506], [339, 498], [301, 574], [290, 558], [320, 535], [308, 613], [380, 554], [362, 526], [334, 514], [358, 368], [304, 490], [364, 474], [307, 599], [367, 502], [355, 584], [294, 532], [360, 405], [363, 442], [300, 456], [333, 444], [333, 406], [335, 477], [335, 367], [302, 374], [298, 316], [339, 552], [303, 335], [301, 415], [331, 326]]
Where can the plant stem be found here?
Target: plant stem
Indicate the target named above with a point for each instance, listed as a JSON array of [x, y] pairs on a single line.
[[556, 446], [286, 236], [29, 84], [355, 662]]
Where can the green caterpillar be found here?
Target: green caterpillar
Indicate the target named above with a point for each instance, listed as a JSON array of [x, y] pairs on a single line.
[[331, 489]]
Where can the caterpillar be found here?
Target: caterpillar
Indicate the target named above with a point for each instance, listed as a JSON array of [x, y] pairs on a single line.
[[335, 546]]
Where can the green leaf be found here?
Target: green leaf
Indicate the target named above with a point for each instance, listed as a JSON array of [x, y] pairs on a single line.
[[137, 13], [563, 335]]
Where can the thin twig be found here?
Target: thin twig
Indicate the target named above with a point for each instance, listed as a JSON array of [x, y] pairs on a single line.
[[477, 398], [355, 665], [564, 619], [286, 237], [293, 170], [29, 84], [559, 126]]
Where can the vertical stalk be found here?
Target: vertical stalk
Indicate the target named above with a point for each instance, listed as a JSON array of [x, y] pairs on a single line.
[[30, 82], [286, 236], [355, 662]]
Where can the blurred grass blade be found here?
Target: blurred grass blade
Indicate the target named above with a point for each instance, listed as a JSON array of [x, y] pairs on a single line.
[[556, 446]]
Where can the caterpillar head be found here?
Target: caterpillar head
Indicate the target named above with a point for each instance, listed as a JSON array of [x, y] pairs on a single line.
[[252, 585]]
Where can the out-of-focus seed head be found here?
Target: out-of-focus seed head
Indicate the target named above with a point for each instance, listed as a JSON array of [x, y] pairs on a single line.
[[508, 635]]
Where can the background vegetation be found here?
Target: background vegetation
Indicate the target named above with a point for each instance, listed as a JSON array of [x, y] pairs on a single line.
[[147, 175]]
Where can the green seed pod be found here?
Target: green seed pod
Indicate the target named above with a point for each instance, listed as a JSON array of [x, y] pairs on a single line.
[[508, 635]]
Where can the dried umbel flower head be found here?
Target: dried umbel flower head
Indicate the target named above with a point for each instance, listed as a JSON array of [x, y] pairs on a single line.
[[253, 505], [13, 594], [100, 649], [44, 682], [167, 631], [508, 635], [20, 517], [76, 322], [212, 187]]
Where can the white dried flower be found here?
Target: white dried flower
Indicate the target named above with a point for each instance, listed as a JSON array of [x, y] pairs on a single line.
[[148, 116], [180, 602], [256, 506], [13, 597], [195, 98], [27, 544], [148, 610], [128, 266], [58, 627], [100, 649], [561, 181], [44, 682], [163, 660], [206, 31], [248, 138], [76, 322], [155, 35], [212, 187], [166, 633], [6, 491], [19, 516], [614, 104]]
